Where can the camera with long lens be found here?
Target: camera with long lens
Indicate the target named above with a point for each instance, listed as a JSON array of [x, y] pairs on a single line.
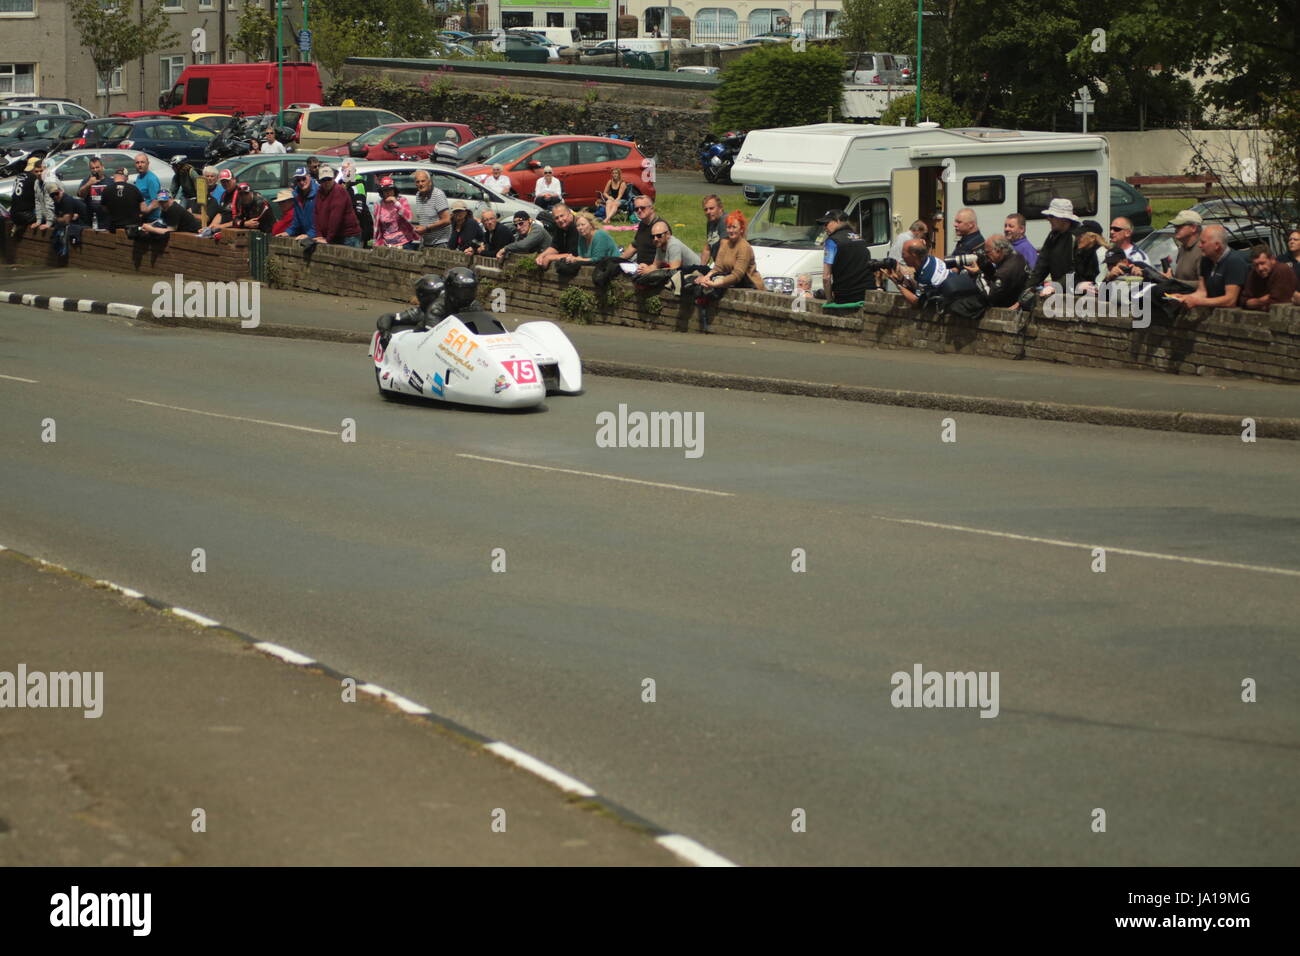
[[875, 265], [969, 259]]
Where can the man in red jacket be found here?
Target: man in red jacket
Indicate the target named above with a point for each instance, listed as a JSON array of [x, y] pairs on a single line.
[[336, 218]]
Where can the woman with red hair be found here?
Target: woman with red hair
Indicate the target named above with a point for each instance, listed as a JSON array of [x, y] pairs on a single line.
[[732, 266]]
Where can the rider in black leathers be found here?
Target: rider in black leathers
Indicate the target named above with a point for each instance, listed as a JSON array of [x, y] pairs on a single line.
[[438, 299]]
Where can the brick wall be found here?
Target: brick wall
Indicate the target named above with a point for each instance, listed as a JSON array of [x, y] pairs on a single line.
[[218, 259], [1209, 342]]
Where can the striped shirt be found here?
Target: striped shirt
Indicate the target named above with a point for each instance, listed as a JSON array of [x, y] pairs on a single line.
[[427, 210]]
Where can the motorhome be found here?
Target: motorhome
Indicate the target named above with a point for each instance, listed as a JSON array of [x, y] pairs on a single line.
[[887, 177]]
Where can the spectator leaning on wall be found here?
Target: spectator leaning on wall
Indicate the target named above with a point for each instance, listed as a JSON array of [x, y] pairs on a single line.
[[1270, 282]]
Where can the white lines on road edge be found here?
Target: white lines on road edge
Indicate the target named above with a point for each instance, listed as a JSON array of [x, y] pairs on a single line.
[[405, 703], [683, 847], [1262, 568], [691, 851], [544, 770], [196, 618], [234, 418], [15, 378], [596, 474]]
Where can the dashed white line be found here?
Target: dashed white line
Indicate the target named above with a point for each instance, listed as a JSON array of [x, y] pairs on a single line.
[[405, 703], [690, 851], [596, 474], [288, 655], [128, 592], [1261, 568], [15, 378], [196, 618], [543, 770], [234, 418]]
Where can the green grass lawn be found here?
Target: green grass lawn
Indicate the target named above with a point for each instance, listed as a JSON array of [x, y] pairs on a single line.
[[685, 214]]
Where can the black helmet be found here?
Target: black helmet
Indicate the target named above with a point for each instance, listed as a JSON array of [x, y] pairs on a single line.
[[428, 289], [462, 286]]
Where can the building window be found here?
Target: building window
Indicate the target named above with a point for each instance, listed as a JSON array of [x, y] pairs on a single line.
[[659, 19], [19, 8], [203, 58], [17, 77], [205, 4], [114, 83], [716, 23], [170, 70], [819, 23], [174, 6], [769, 21]]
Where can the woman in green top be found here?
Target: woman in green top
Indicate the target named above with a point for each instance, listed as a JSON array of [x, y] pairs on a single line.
[[593, 241]]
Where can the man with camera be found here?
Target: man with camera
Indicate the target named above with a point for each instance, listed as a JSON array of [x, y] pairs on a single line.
[[999, 272], [847, 267], [931, 279]]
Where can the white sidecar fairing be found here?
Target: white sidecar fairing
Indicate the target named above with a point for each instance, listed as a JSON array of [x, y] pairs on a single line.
[[471, 359]]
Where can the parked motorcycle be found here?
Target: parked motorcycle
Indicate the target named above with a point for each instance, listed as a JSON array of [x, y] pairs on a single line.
[[243, 135], [718, 155]]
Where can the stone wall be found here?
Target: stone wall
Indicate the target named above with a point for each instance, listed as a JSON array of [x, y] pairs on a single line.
[[669, 126], [1225, 342], [221, 260]]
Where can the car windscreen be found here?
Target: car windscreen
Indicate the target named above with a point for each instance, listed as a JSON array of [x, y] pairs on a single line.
[[512, 153], [790, 219], [374, 136]]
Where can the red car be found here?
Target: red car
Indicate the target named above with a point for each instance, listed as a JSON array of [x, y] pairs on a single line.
[[582, 164], [395, 140]]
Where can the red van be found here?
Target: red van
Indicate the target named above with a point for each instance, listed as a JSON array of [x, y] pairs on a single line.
[[250, 88]]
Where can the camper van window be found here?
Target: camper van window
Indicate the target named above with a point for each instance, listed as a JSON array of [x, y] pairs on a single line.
[[1039, 189], [873, 220], [983, 190], [790, 219]]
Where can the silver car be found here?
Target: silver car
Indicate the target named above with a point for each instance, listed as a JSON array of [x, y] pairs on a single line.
[[456, 185], [71, 167], [872, 69]]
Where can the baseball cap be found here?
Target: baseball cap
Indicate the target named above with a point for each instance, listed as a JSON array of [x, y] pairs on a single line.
[[283, 194], [325, 172], [833, 215], [245, 188], [521, 216], [164, 195], [387, 183], [459, 206], [301, 173], [226, 174], [1188, 217]]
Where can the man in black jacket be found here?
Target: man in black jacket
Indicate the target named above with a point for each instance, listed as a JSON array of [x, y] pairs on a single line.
[[123, 204], [970, 241], [1002, 275], [1056, 257], [496, 235]]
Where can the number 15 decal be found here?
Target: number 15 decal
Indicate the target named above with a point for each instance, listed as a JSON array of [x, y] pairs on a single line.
[[522, 371]]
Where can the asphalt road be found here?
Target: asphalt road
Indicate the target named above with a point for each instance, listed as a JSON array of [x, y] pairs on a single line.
[[1118, 690]]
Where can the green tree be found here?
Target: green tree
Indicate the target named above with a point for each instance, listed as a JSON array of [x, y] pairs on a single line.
[[1250, 52], [935, 107], [392, 28], [255, 37], [774, 86], [111, 41]]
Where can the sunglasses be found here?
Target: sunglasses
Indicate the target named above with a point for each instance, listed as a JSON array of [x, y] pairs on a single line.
[[642, 205], [660, 235], [1118, 229]]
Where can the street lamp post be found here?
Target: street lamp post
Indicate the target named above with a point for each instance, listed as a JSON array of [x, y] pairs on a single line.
[[919, 17], [279, 59]]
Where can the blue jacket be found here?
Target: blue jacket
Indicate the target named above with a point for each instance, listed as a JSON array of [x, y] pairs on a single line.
[[304, 213]]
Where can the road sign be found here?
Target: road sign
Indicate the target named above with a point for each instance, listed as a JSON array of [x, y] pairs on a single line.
[[1084, 106], [304, 41]]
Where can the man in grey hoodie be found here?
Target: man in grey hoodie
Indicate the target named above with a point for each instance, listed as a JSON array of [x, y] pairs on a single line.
[[533, 237]]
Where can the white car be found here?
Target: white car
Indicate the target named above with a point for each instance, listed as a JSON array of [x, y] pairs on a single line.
[[71, 167], [60, 106], [456, 185]]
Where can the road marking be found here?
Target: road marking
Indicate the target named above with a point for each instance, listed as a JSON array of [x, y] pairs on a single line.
[[543, 770], [128, 592], [690, 851], [1262, 568], [15, 378], [196, 618], [596, 474], [405, 703], [234, 418], [285, 654]]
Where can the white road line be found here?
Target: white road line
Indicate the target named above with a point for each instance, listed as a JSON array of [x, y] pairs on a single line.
[[196, 618], [692, 852], [543, 770], [234, 418], [1262, 568], [129, 592], [596, 474], [285, 654], [405, 703], [15, 378]]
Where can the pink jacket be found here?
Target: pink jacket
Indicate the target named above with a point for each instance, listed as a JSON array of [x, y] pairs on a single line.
[[393, 223]]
